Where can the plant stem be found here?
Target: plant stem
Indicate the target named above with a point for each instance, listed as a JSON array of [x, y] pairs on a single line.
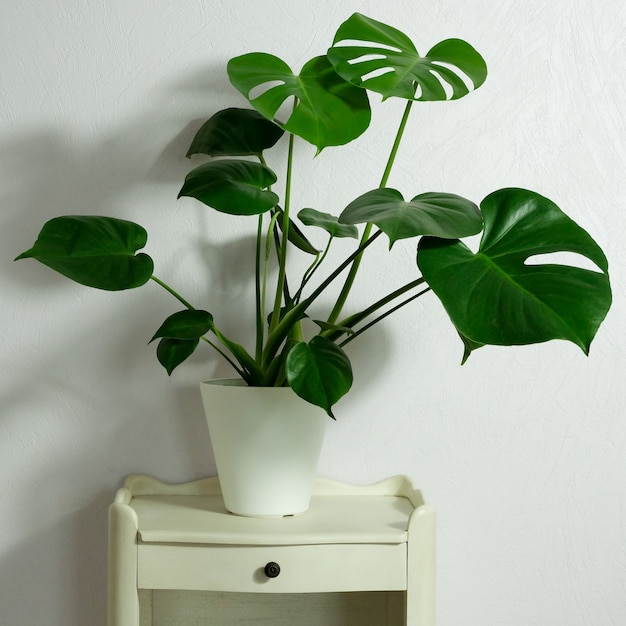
[[259, 300], [383, 316], [312, 269], [233, 364], [259, 290], [282, 264], [345, 291], [352, 320], [241, 372], [174, 293], [278, 335]]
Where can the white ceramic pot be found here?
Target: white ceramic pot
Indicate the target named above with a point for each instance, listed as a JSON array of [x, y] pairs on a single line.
[[266, 442]]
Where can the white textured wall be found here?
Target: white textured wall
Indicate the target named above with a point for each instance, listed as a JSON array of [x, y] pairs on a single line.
[[522, 451]]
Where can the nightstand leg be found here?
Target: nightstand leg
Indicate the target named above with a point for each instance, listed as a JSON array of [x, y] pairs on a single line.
[[421, 568], [123, 601]]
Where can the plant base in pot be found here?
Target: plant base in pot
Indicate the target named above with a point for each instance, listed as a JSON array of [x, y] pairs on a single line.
[[266, 443]]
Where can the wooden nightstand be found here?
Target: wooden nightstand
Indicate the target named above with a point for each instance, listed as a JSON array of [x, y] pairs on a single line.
[[361, 555]]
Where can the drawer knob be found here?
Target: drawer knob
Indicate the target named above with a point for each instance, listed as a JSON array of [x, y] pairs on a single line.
[[272, 569]]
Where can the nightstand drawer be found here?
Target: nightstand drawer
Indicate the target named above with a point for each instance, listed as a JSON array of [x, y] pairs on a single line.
[[303, 568]]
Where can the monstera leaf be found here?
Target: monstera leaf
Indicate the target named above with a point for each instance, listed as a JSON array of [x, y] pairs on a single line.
[[499, 296], [327, 111], [439, 214], [172, 352], [187, 324], [386, 61], [319, 372], [95, 251], [231, 186], [328, 222], [235, 132]]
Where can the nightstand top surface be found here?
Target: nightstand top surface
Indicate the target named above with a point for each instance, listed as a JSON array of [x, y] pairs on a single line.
[[339, 513], [330, 519]]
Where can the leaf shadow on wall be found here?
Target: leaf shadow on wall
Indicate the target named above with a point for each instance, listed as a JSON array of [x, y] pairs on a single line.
[[49, 173]]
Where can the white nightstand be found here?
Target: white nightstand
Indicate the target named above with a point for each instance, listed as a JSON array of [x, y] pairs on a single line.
[[361, 555]]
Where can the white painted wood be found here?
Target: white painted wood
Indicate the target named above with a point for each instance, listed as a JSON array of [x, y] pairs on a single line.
[[303, 568], [175, 608], [123, 605], [421, 566], [331, 519], [167, 538]]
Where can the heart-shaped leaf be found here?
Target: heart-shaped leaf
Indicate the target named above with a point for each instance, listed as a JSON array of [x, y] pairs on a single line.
[[235, 132], [319, 372], [172, 352], [231, 186], [385, 60], [328, 222], [443, 215], [327, 111], [94, 251], [186, 324], [497, 297]]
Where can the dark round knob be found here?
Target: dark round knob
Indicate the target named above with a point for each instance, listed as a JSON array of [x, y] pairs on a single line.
[[272, 569]]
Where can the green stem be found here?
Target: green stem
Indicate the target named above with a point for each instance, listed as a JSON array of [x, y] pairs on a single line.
[[312, 269], [174, 293], [243, 359], [383, 316], [356, 318], [345, 291], [282, 265], [258, 290], [233, 364], [278, 335]]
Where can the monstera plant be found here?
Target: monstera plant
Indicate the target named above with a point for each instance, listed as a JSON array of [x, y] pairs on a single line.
[[499, 294]]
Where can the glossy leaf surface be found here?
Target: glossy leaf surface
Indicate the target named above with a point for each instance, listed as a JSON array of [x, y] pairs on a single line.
[[95, 251], [295, 236], [231, 186], [438, 214], [496, 297], [172, 352], [235, 132], [186, 324], [381, 58], [324, 109], [328, 222], [319, 372]]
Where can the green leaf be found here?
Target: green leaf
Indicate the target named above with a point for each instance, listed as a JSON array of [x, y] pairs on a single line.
[[327, 111], [294, 235], [438, 214], [172, 352], [387, 62], [328, 222], [497, 297], [186, 324], [253, 372], [468, 347], [231, 186], [94, 251], [235, 132], [319, 372]]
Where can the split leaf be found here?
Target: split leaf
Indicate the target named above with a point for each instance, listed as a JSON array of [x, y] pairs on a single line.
[[498, 296]]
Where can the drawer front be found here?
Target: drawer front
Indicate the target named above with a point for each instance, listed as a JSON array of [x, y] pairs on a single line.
[[303, 569]]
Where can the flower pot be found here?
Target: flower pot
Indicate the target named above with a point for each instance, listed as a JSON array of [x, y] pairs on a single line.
[[266, 442]]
